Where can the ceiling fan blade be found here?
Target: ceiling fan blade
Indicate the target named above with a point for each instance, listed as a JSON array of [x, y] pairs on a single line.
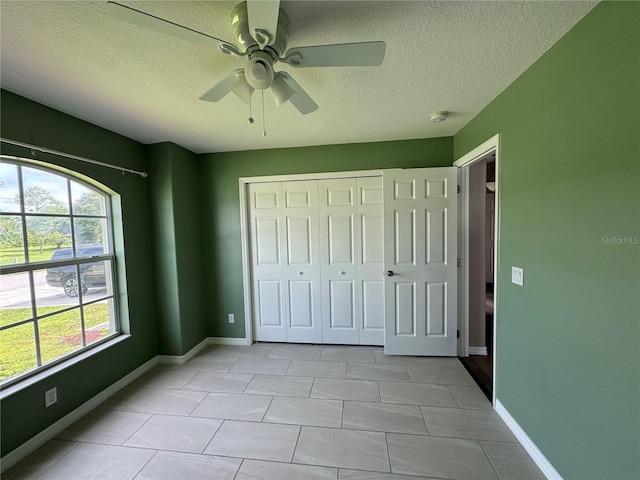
[[301, 99], [223, 87], [145, 20], [364, 54], [263, 20]]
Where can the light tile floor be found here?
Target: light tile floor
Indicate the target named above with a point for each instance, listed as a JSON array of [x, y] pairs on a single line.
[[289, 412]]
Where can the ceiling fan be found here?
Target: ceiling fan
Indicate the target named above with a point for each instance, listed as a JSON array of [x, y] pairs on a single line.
[[260, 31]]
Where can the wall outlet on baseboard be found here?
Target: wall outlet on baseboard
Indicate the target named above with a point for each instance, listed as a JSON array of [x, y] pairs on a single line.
[[50, 397], [232, 318]]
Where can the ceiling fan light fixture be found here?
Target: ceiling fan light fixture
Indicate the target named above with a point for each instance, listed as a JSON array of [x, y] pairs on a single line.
[[242, 89], [281, 90], [259, 73]]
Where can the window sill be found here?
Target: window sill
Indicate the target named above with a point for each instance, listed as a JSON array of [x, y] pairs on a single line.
[[10, 390]]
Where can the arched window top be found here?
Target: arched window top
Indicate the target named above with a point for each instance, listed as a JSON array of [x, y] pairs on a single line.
[[59, 210]]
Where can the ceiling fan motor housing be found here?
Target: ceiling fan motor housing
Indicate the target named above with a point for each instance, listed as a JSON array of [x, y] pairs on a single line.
[[243, 38]]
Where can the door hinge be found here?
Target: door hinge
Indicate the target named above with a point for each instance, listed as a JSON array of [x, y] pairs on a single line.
[[458, 334], [458, 188], [459, 263]]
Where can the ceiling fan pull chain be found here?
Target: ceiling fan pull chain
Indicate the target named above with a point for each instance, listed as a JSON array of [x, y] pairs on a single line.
[[264, 130], [250, 114]]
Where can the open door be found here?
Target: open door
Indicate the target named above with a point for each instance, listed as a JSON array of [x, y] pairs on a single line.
[[420, 261]]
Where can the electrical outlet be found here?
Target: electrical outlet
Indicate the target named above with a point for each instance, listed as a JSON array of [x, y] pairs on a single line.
[[232, 318], [517, 276], [50, 397]]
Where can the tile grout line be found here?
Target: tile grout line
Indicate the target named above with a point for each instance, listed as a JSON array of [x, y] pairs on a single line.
[[145, 464], [295, 448], [235, 475], [386, 441], [489, 459], [425, 421], [313, 382], [266, 410], [136, 430]]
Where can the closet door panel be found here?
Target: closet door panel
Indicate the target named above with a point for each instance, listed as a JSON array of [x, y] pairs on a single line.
[[303, 320], [372, 311], [268, 286], [339, 233], [370, 260], [301, 303]]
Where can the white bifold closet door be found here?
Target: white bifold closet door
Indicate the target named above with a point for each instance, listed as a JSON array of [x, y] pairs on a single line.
[[317, 261], [285, 261], [351, 253]]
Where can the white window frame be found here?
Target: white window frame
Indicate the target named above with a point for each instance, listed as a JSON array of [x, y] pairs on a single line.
[[30, 267]]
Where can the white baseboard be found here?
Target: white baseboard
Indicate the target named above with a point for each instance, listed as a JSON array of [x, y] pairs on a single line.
[[227, 341], [52, 430], [478, 350], [534, 452], [181, 359]]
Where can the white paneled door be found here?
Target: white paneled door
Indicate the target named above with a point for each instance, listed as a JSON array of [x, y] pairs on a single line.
[[420, 261], [351, 255], [265, 214], [285, 261], [302, 262], [338, 247]]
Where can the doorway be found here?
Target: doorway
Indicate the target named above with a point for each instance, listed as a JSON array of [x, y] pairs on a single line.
[[479, 239], [481, 275]]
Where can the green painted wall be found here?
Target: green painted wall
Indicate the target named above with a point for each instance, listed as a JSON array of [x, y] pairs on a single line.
[[187, 206], [164, 248], [175, 208], [23, 414], [220, 172], [568, 341]]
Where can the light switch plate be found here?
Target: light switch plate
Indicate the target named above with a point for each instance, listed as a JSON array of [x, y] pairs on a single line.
[[517, 276]]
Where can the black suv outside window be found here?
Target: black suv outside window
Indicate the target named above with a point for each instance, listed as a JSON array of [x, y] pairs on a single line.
[[57, 268], [92, 275]]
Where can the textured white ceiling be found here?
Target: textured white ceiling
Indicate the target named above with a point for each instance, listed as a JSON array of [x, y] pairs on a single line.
[[442, 55]]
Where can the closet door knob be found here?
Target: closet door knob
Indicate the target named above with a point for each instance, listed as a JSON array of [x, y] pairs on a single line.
[[300, 273], [343, 273], [390, 273]]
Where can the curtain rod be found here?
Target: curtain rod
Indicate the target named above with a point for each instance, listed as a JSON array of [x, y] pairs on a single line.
[[35, 148]]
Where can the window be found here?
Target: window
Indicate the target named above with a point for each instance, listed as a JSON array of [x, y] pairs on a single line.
[[57, 289]]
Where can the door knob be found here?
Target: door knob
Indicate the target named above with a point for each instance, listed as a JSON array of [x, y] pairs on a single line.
[[390, 273]]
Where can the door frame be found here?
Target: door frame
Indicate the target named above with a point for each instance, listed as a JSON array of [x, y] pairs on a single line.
[[476, 155], [243, 184]]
